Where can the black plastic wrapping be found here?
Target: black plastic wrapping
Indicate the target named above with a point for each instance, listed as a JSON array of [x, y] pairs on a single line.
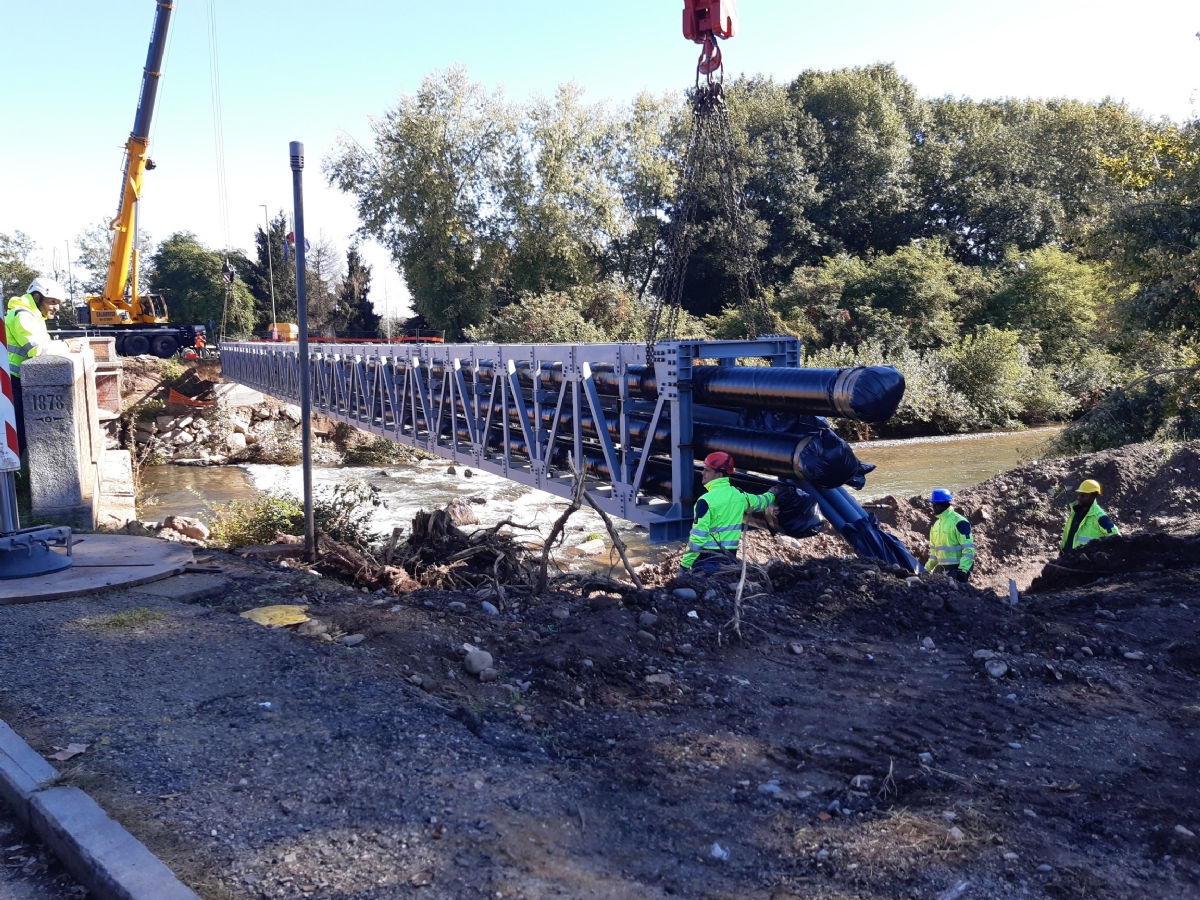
[[866, 393], [827, 461], [797, 513]]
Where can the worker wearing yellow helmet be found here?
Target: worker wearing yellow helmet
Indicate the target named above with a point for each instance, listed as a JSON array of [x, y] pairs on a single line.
[[1086, 521]]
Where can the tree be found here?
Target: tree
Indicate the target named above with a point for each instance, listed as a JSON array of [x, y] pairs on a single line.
[[431, 193], [269, 267], [93, 249], [1152, 238], [190, 276], [16, 264], [354, 297]]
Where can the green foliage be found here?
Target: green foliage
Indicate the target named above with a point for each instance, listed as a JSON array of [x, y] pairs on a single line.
[[16, 269], [598, 312], [170, 370], [189, 274], [380, 451], [340, 511], [254, 522]]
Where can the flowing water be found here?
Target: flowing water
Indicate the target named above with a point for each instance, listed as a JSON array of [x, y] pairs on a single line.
[[905, 468]]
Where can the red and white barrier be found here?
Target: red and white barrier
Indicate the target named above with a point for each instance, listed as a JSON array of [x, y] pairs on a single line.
[[10, 452]]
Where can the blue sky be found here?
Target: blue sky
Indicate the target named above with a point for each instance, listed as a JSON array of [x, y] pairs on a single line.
[[307, 70]]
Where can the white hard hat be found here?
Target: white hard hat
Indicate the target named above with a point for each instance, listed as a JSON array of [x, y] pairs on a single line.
[[48, 288]]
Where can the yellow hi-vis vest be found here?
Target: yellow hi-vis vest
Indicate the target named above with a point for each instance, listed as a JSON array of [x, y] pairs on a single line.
[[1096, 524], [26, 331], [720, 512], [950, 543]]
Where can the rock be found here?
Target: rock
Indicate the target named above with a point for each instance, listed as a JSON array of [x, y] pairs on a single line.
[[647, 620], [353, 640], [1135, 655], [460, 513], [561, 615], [163, 423], [925, 758], [984, 654], [450, 470], [193, 528], [862, 782], [183, 439], [912, 580], [467, 473], [928, 644], [1184, 832], [791, 543], [933, 603], [490, 608], [183, 423], [684, 594], [312, 628], [476, 661], [719, 852], [1045, 868], [488, 675], [798, 649], [957, 834], [236, 441], [1011, 857], [659, 678], [770, 789], [293, 413], [646, 639], [996, 668], [457, 606], [593, 547], [416, 679]]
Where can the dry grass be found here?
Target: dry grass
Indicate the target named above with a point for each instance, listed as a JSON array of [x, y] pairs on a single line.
[[905, 843], [127, 618]]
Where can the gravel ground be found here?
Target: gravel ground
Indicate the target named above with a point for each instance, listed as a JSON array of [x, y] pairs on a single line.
[[629, 748]]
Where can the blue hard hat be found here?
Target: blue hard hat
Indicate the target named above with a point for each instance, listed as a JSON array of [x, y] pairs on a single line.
[[941, 495]]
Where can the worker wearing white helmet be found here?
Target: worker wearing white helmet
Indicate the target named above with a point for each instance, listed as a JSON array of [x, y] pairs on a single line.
[[25, 328]]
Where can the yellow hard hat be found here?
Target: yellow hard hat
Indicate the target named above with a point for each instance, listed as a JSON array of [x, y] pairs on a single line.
[[1090, 487]]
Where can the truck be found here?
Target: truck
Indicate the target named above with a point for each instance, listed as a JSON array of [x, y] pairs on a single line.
[[137, 320]]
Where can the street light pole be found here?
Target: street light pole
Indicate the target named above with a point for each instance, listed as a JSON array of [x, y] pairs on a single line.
[[270, 269], [296, 148]]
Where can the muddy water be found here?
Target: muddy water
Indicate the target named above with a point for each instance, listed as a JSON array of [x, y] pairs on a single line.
[[905, 468]]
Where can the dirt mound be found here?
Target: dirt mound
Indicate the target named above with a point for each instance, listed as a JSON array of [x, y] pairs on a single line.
[[1151, 551], [1018, 516]]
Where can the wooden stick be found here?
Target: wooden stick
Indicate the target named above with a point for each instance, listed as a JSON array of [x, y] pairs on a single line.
[[616, 539], [559, 524], [387, 557]]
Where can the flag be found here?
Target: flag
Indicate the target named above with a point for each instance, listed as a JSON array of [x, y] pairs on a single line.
[[291, 243]]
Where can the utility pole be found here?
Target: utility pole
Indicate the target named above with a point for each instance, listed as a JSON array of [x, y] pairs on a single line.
[[270, 271], [296, 148]]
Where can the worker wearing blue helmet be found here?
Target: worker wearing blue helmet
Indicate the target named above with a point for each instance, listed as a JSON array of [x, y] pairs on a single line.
[[951, 546]]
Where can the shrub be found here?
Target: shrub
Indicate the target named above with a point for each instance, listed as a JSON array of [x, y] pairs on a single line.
[[257, 521]]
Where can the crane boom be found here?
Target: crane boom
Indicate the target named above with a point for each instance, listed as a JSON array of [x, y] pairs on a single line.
[[112, 307]]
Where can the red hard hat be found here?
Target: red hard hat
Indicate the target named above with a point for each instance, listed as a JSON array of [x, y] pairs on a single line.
[[722, 462]]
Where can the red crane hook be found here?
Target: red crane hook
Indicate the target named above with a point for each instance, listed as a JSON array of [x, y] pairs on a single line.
[[703, 22]]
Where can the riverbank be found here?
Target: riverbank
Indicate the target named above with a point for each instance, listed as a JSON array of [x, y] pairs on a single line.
[[863, 737]]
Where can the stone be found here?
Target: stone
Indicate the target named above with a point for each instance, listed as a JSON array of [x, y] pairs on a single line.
[[646, 639], [1009, 856], [718, 852], [292, 413], [1184, 832], [490, 608], [984, 654], [928, 644], [460, 513], [797, 649], [925, 758], [957, 834], [1135, 655], [684, 594], [188, 527], [183, 423], [450, 470], [912, 580], [236, 441], [561, 615], [1045, 868], [488, 675], [790, 543], [770, 789], [659, 678], [996, 668], [457, 606], [353, 640], [183, 439], [237, 396], [593, 547], [476, 661], [647, 620], [163, 423], [467, 473]]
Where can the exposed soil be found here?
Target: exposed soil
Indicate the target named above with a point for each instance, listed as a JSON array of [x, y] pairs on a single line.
[[866, 737]]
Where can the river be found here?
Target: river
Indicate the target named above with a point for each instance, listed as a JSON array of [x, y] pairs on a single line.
[[905, 468]]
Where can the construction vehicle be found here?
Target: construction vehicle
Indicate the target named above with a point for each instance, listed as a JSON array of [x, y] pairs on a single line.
[[137, 320]]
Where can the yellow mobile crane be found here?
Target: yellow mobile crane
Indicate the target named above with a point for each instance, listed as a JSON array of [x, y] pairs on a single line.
[[138, 321]]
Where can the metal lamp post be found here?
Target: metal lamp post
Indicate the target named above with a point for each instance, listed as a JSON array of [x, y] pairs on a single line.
[[296, 149]]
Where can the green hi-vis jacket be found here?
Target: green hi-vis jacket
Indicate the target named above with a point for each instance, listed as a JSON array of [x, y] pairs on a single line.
[[950, 543], [719, 515], [26, 332], [1096, 524]]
